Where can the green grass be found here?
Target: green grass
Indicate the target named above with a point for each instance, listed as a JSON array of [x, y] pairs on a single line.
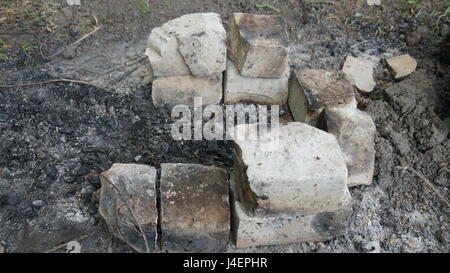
[[29, 47], [266, 6], [3, 57], [142, 5], [447, 121]]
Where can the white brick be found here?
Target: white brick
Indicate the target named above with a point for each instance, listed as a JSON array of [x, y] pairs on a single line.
[[191, 44], [355, 132], [254, 90], [182, 90], [303, 172]]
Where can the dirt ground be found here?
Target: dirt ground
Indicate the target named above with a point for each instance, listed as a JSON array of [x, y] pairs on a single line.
[[56, 138]]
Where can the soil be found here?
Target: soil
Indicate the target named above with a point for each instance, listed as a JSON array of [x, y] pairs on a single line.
[[56, 138]]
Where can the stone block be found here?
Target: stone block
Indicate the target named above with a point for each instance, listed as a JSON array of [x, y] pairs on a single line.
[[258, 45]]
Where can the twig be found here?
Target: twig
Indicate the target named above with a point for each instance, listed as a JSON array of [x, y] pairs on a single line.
[[75, 43], [65, 244], [357, 44], [427, 182], [54, 81], [131, 211], [123, 66]]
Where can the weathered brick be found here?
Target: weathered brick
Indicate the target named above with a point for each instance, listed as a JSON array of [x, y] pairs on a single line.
[[355, 133], [258, 45], [182, 90], [129, 189], [303, 172], [311, 90], [254, 90], [257, 230], [191, 44], [194, 208]]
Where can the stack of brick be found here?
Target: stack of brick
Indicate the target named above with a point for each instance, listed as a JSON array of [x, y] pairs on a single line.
[[288, 185], [258, 67], [325, 99], [188, 56]]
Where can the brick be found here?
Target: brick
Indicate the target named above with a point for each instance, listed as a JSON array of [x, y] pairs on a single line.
[[195, 212], [182, 90], [193, 44], [311, 90], [125, 187], [254, 90], [401, 66], [303, 172], [355, 133], [257, 230], [258, 45]]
